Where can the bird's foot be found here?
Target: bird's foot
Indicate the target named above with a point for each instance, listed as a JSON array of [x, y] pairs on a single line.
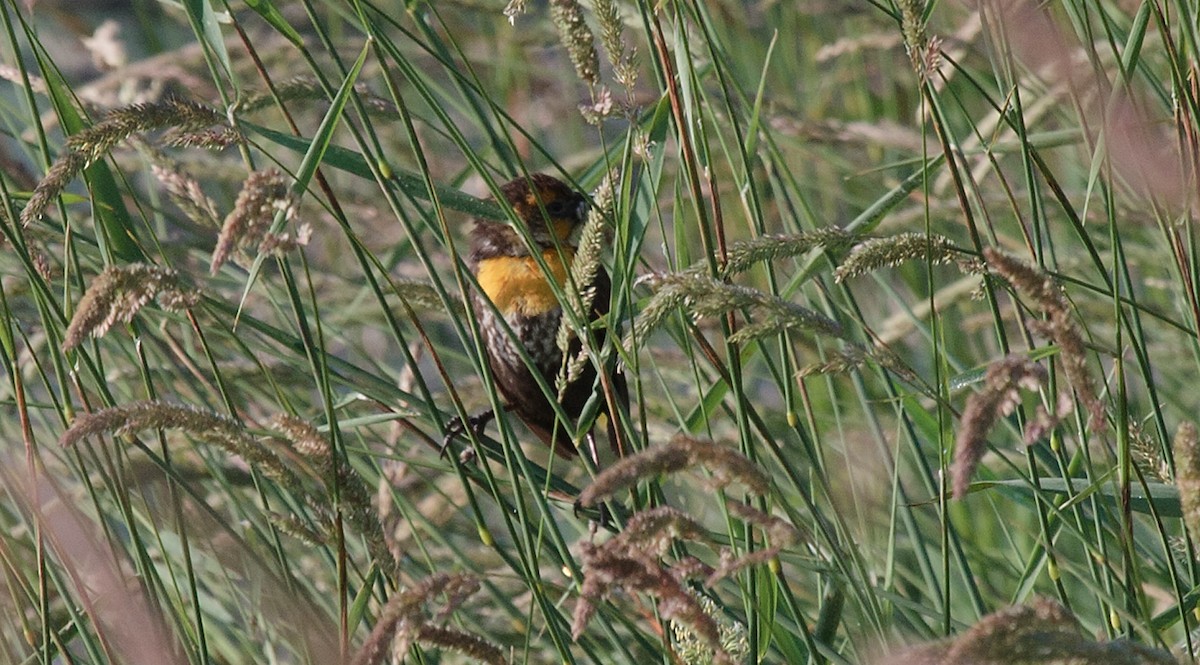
[[457, 427]]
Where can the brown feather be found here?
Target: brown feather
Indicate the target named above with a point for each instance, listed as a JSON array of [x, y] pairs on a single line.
[[499, 254]]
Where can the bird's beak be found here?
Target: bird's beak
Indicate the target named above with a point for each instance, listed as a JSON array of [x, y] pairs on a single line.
[[581, 210]]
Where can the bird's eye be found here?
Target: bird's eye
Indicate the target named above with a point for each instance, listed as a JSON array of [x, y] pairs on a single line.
[[556, 208]]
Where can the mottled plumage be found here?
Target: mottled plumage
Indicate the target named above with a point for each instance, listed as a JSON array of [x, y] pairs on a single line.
[[511, 279]]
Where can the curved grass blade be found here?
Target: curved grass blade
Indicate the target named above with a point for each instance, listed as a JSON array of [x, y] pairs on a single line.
[[310, 163], [411, 184]]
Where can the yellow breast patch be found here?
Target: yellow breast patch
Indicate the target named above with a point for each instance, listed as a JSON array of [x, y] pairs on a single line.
[[518, 285]]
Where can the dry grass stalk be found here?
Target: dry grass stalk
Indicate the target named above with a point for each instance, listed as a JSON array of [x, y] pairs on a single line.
[[924, 52], [354, 496], [288, 241], [404, 621], [91, 144], [213, 428], [703, 296], [746, 254], [577, 38], [654, 529], [609, 568], [468, 644], [227, 433], [876, 41], [119, 293], [999, 397], [876, 253], [186, 193], [124, 420], [1043, 632], [513, 9], [301, 88], [1059, 326], [212, 138], [780, 534], [853, 356], [297, 528], [683, 452], [12, 74], [694, 650], [105, 47], [601, 107], [206, 426], [632, 561], [580, 299], [706, 296], [264, 194], [845, 360], [624, 61], [1147, 454]]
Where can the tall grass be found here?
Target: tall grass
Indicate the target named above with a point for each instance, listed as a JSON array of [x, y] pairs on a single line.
[[905, 294]]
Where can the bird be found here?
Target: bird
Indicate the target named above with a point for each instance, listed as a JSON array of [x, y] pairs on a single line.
[[513, 286]]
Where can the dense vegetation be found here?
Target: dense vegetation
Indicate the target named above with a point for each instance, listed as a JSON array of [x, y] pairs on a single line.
[[906, 294]]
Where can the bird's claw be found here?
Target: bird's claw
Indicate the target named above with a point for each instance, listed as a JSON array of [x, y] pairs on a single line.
[[600, 516], [457, 427]]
